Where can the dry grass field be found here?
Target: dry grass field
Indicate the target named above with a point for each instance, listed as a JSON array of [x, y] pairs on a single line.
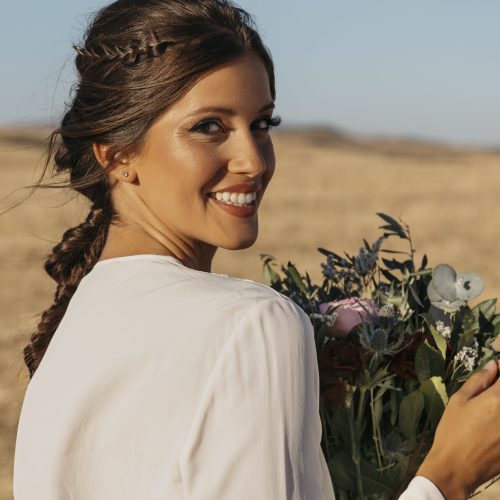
[[326, 191]]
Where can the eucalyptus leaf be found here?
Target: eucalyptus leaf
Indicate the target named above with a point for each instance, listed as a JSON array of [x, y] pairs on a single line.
[[468, 286], [443, 282]]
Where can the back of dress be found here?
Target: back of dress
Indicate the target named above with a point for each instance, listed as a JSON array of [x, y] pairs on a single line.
[[163, 382]]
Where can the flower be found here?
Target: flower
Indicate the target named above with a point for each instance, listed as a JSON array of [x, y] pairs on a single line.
[[467, 356], [376, 338], [449, 290], [347, 314], [445, 331]]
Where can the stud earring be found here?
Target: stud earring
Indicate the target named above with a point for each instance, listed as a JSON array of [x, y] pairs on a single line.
[[125, 174]]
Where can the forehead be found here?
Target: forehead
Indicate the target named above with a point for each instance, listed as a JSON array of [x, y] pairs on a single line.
[[242, 84]]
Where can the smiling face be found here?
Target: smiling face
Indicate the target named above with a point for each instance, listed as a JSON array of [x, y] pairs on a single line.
[[213, 139]]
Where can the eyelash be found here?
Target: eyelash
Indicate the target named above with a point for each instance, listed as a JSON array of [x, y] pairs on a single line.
[[275, 121]]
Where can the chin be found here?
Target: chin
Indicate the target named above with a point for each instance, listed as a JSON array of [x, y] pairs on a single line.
[[239, 244]]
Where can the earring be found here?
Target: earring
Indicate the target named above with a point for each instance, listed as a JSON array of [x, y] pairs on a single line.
[[125, 174]]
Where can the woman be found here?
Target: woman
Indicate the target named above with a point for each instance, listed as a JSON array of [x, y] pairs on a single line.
[[153, 378]]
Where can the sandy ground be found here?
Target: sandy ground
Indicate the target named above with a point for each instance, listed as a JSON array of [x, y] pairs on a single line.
[[326, 191]]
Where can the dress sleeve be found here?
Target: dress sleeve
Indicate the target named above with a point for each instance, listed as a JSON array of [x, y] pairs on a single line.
[[421, 488], [257, 431]]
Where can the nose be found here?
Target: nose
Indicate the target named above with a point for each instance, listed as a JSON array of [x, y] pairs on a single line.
[[250, 155]]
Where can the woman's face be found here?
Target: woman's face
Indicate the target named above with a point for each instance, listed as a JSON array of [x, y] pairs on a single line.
[[192, 151]]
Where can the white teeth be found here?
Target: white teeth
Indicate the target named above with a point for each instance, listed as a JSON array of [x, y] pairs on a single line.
[[236, 198]]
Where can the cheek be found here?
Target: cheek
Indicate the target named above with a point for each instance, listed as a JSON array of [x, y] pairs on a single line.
[[270, 159], [182, 170]]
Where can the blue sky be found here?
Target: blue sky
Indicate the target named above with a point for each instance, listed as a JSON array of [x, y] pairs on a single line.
[[421, 68]]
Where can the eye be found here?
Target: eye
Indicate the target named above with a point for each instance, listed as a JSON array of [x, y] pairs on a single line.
[[206, 127], [269, 123]]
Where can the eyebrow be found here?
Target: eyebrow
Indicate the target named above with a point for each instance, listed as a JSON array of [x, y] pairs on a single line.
[[226, 111]]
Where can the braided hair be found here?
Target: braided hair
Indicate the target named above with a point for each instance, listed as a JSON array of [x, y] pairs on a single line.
[[137, 58]]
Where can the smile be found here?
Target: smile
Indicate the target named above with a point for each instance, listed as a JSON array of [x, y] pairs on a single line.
[[235, 208], [235, 198]]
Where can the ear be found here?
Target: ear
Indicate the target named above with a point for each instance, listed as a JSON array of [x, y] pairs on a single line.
[[117, 166]]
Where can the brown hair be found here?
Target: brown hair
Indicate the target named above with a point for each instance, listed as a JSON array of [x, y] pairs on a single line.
[[138, 58]]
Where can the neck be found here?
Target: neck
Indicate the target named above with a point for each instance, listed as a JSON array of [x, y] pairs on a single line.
[[123, 240]]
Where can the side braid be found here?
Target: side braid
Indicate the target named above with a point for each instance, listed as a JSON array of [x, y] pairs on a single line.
[[130, 54], [70, 260]]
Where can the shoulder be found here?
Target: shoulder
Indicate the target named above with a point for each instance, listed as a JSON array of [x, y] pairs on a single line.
[[202, 286], [159, 288]]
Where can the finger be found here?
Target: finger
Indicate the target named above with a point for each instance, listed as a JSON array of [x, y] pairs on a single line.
[[481, 380]]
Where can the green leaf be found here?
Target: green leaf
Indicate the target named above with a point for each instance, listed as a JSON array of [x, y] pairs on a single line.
[[324, 251], [428, 362], [470, 321], [496, 324], [343, 471], [294, 274], [466, 339], [440, 341], [410, 411], [424, 263], [415, 296], [435, 398], [393, 225], [270, 276], [394, 407], [393, 264], [487, 307], [394, 252], [389, 276]]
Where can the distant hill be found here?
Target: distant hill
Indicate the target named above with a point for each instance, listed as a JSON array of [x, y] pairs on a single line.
[[25, 136], [331, 137]]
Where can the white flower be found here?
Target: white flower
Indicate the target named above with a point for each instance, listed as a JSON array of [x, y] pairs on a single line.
[[445, 331], [467, 356], [329, 319]]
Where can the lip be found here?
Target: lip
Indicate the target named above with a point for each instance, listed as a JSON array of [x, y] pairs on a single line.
[[243, 211]]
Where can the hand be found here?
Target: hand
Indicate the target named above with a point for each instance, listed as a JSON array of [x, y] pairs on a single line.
[[466, 448]]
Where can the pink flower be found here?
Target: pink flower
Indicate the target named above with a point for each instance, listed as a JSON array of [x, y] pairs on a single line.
[[349, 314]]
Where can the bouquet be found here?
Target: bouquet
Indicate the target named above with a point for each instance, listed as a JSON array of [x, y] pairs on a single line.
[[394, 341]]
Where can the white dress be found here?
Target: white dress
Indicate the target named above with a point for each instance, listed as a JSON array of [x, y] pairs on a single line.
[[167, 383]]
